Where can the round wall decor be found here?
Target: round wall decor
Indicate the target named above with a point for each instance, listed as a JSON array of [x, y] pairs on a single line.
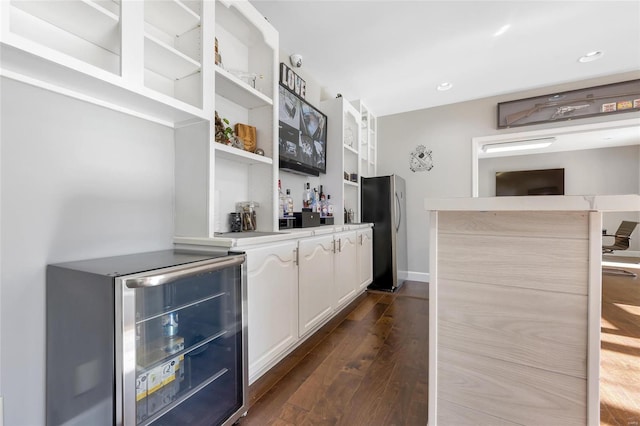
[[420, 159]]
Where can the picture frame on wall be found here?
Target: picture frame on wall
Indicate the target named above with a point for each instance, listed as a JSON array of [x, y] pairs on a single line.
[[590, 102]]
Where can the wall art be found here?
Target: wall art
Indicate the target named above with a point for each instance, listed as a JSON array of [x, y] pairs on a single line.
[[582, 103], [420, 159]]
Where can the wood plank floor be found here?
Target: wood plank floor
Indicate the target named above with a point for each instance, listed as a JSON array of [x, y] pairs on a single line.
[[620, 350], [368, 368]]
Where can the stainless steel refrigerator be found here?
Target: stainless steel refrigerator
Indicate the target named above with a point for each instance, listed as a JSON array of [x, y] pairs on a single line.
[[383, 203]]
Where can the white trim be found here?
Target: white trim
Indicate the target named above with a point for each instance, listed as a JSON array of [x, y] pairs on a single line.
[[433, 319], [418, 276], [478, 141], [594, 313]]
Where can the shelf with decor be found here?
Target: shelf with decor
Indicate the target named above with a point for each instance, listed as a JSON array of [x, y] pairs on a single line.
[[213, 177], [343, 164], [230, 86], [239, 155]]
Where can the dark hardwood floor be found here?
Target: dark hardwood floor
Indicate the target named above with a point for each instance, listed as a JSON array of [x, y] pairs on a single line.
[[620, 350], [366, 367]]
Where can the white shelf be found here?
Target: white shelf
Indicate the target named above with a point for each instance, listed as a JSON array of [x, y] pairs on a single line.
[[171, 17], [167, 61], [353, 184], [235, 154], [351, 149], [231, 87], [98, 87], [83, 18]]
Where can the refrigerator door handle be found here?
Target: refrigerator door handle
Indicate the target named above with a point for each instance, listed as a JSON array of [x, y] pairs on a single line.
[[186, 271], [399, 210]]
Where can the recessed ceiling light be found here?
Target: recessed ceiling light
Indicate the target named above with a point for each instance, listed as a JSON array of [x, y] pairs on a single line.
[[502, 30], [591, 56], [444, 86]]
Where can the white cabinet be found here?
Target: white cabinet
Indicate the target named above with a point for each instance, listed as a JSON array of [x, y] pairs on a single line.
[[368, 139], [315, 281], [146, 58], [365, 258], [272, 293], [346, 271], [343, 164]]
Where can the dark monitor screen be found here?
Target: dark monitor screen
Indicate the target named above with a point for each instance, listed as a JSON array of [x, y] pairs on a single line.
[[302, 135], [530, 182]]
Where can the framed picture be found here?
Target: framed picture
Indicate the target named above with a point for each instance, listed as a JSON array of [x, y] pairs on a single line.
[[591, 102]]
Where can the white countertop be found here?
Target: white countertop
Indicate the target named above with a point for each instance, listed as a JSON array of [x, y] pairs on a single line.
[[602, 203], [243, 239]]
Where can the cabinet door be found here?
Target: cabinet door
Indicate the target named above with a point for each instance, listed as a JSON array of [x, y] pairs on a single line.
[[315, 281], [272, 282], [365, 258], [346, 267]]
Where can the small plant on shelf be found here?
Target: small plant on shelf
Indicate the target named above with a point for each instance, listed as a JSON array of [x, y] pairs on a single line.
[[225, 134]]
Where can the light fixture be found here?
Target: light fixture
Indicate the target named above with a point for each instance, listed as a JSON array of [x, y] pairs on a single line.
[[444, 86], [502, 30], [591, 56], [518, 145]]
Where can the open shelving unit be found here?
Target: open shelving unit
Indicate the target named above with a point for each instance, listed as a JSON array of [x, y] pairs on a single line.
[[128, 56], [343, 156], [211, 178], [368, 139]]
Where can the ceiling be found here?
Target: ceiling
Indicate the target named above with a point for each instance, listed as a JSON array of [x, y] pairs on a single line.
[[393, 54]]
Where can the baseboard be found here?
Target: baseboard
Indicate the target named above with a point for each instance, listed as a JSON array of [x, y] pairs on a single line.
[[417, 276]]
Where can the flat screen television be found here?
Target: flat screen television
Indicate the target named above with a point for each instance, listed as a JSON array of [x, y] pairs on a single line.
[[302, 136], [530, 182]]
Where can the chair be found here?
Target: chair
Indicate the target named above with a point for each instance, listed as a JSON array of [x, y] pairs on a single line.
[[621, 242]]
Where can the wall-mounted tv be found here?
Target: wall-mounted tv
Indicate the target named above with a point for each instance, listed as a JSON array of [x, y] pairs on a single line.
[[302, 143], [530, 182]]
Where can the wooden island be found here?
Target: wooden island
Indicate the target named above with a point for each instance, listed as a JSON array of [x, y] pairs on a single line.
[[514, 309]]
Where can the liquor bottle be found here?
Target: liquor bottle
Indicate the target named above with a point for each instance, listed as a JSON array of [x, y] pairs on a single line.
[[289, 204], [306, 199], [323, 203], [329, 206], [282, 207], [315, 200]]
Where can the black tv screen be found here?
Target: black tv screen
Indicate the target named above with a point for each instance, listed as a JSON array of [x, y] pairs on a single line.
[[530, 182], [302, 137]]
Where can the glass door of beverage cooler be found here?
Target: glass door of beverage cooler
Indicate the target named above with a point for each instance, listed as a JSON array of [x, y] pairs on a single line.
[[184, 344]]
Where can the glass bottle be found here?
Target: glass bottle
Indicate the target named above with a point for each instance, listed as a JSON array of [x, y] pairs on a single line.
[[281, 198], [289, 204]]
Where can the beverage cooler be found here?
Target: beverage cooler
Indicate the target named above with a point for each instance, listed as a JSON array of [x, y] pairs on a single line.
[[147, 339]]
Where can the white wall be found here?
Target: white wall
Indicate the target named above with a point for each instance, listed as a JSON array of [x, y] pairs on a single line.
[[78, 181], [448, 131]]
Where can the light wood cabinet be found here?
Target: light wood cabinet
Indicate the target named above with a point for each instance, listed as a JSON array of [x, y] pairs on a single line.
[[272, 293]]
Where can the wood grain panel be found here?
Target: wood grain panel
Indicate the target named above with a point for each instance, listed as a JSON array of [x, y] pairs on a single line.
[[538, 263], [541, 329], [513, 392], [459, 415], [551, 224]]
